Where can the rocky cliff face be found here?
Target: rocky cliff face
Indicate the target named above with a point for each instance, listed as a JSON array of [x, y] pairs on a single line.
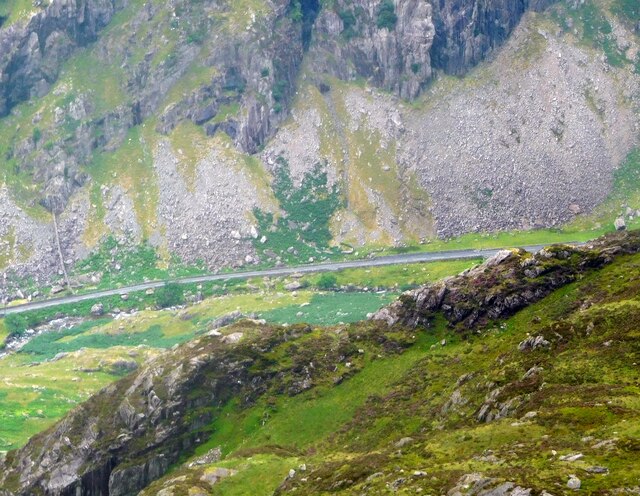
[[245, 68], [178, 107], [399, 51], [130, 433], [350, 43], [468, 31], [33, 51]]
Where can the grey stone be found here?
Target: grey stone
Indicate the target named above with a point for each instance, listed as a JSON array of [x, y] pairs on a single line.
[[574, 482], [97, 310], [620, 224], [533, 343], [405, 441]]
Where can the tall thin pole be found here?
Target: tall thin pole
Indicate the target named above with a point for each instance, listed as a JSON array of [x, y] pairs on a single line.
[[64, 269]]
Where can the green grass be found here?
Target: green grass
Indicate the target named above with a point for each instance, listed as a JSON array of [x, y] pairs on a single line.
[[403, 276], [190, 145], [629, 9], [32, 397], [131, 166], [132, 264], [329, 309], [16, 324], [627, 180], [46, 346], [257, 476], [595, 28], [88, 74], [227, 111], [300, 422], [16, 10], [22, 418], [4, 332], [307, 211]]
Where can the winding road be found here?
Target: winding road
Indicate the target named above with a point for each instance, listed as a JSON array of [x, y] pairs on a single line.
[[279, 271]]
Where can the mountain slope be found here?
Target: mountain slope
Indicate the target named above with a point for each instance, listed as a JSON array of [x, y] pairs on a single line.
[[370, 408], [166, 123]]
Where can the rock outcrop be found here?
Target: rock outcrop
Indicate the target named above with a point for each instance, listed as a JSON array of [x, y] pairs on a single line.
[[130, 433], [467, 31], [349, 43], [504, 284], [254, 67]]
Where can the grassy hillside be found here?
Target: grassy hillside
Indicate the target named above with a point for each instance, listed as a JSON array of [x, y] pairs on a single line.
[[416, 422], [544, 400]]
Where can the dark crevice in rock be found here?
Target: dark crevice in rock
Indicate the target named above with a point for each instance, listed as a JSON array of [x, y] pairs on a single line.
[[464, 35], [310, 11], [136, 110]]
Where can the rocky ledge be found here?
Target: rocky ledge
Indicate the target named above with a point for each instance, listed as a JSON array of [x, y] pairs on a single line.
[[504, 284]]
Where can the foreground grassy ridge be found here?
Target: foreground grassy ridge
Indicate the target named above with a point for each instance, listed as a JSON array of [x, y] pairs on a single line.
[[582, 392]]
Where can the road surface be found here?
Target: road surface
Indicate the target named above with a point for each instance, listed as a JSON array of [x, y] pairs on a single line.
[[279, 271]]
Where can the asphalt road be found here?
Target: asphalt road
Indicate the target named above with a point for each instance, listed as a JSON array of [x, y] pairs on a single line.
[[281, 271]]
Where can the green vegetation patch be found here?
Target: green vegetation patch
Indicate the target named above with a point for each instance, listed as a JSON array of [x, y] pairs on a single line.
[[387, 17], [33, 395], [397, 277], [23, 414], [48, 345], [131, 168], [4, 332], [595, 28], [302, 231], [16, 10], [330, 309], [625, 192], [256, 476], [629, 9], [299, 422], [122, 265]]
